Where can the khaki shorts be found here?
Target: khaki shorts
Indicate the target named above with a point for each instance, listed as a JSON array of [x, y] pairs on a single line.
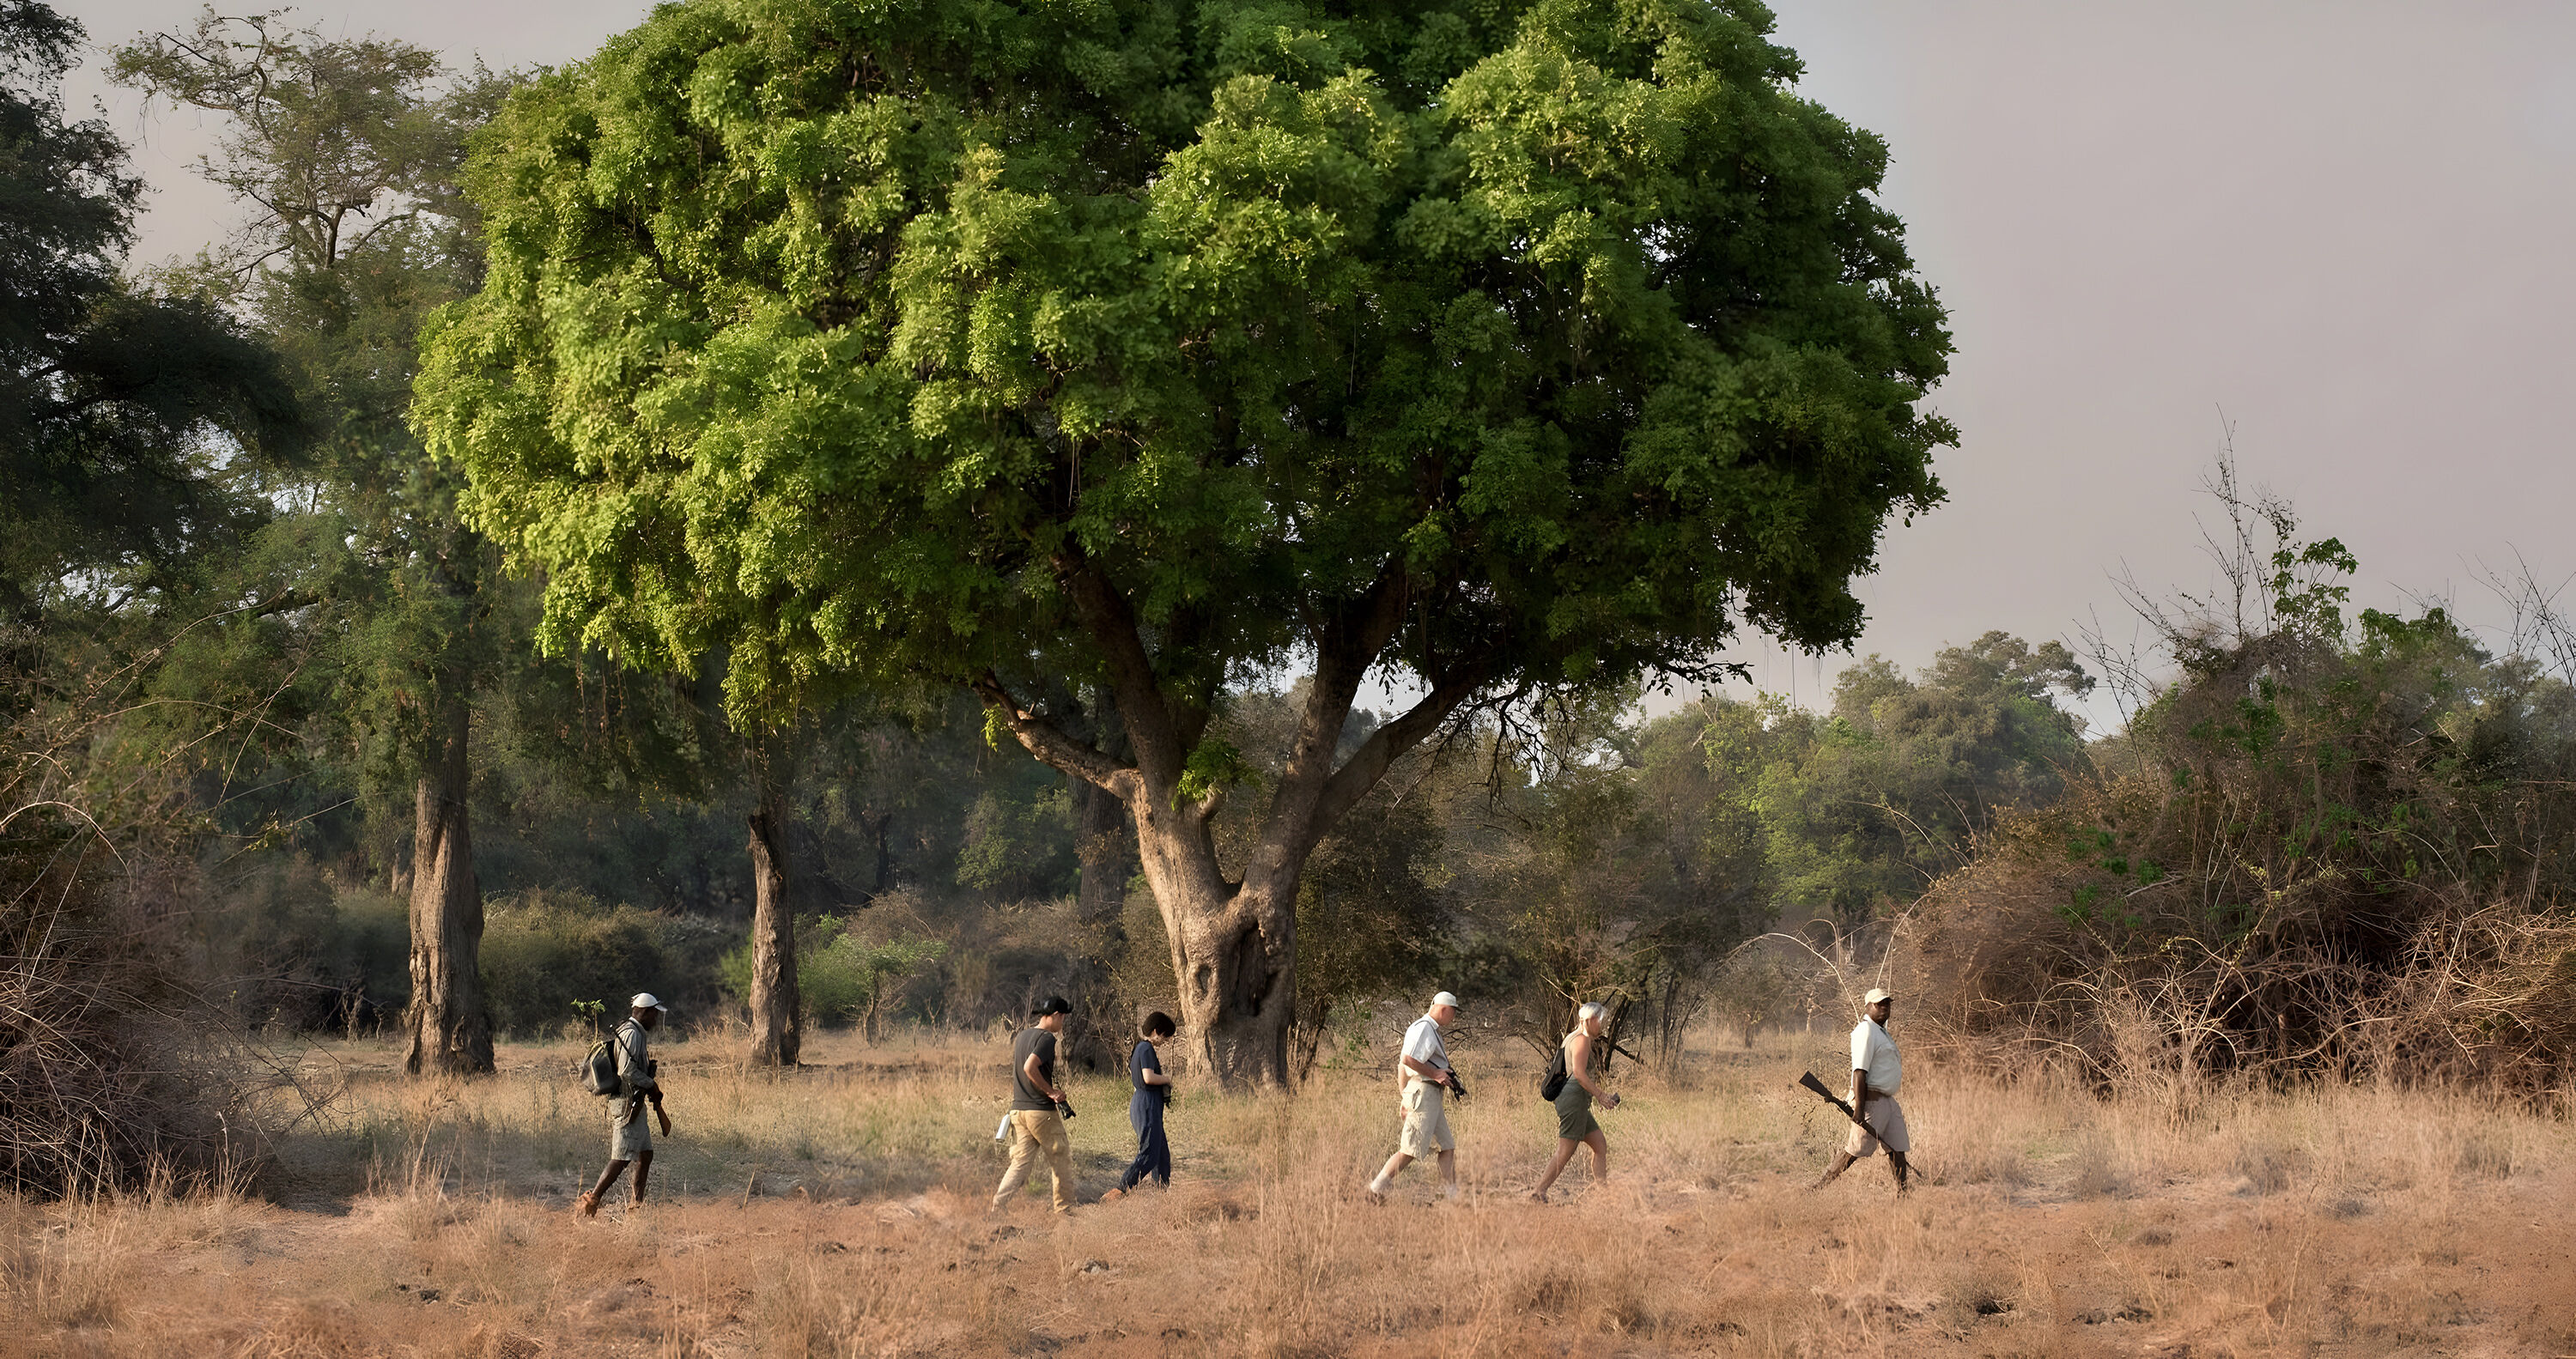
[[1886, 1124], [626, 1141], [1426, 1121]]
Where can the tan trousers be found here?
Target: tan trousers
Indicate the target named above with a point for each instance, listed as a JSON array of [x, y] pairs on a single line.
[[1036, 1132]]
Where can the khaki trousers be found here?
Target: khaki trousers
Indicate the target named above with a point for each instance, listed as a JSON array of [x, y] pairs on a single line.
[[1036, 1132]]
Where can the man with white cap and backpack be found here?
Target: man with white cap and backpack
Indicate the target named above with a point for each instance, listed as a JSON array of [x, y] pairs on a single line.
[[1876, 1072], [1422, 1076], [630, 1138]]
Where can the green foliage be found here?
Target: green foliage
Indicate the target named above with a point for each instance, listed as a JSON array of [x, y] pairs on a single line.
[[842, 976], [1213, 768], [545, 952], [2320, 847], [1873, 802], [841, 336], [113, 403], [1513, 348], [1017, 847]]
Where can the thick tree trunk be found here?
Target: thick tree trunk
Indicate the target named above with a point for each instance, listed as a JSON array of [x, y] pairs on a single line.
[[1233, 944], [1233, 952], [451, 1032], [776, 1034]]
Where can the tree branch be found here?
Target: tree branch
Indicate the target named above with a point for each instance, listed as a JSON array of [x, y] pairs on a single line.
[[1346, 644], [1161, 749], [1370, 762], [1053, 747]]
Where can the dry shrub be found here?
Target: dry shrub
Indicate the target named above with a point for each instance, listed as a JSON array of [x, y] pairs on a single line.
[[2174, 991], [2321, 846], [111, 1073]]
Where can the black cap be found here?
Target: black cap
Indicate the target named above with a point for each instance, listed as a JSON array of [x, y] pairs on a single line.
[[1052, 1005]]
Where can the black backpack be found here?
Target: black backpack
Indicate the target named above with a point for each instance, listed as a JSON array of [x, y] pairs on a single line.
[[1552, 1084]]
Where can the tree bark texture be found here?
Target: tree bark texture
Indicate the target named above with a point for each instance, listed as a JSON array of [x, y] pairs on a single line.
[[451, 1031], [1233, 952], [776, 1033]]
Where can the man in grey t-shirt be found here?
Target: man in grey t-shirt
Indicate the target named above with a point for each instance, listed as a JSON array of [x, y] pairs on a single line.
[[1038, 1108]]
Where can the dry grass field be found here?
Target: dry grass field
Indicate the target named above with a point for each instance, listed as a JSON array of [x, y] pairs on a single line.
[[841, 1211]]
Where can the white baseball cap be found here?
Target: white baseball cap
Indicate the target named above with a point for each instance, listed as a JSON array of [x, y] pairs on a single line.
[[1875, 995], [1444, 998], [646, 1000]]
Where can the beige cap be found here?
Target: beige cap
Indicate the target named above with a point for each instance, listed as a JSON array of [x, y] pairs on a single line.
[[1875, 995]]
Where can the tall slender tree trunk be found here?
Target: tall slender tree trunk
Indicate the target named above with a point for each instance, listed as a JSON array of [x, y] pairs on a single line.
[[776, 1034], [1104, 841], [451, 1031], [1106, 849]]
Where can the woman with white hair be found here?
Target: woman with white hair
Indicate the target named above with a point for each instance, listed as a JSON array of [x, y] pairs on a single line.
[[1575, 1125]]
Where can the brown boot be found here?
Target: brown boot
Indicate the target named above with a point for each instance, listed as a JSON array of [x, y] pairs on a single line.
[[588, 1204]]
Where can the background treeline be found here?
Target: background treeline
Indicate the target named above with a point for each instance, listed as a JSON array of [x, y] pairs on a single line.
[[266, 705]]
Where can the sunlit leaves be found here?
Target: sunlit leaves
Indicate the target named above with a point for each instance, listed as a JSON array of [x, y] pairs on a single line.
[[831, 334]]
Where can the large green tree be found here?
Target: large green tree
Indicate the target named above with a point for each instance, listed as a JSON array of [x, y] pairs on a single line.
[[1147, 346], [114, 404], [1876, 800], [346, 152]]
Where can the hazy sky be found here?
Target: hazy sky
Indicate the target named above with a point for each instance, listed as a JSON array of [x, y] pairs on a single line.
[[2345, 225]]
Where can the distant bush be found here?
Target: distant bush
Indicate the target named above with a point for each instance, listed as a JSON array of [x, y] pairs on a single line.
[[2325, 849], [843, 977], [542, 951]]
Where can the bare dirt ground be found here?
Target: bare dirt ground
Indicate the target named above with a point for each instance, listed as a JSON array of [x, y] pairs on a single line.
[[841, 1211]]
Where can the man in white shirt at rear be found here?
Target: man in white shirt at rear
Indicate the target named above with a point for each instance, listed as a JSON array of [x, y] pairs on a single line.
[[1877, 1071], [1422, 1077]]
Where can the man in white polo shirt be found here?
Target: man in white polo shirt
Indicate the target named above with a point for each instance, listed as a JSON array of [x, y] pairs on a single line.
[[1876, 1073], [1422, 1076]]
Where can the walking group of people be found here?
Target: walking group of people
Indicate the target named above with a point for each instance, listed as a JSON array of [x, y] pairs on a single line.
[[1426, 1081]]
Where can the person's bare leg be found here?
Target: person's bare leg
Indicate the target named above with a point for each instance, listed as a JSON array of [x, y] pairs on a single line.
[[1449, 1173], [1386, 1178], [588, 1203], [1842, 1162], [1564, 1152], [1897, 1166], [1600, 1145], [643, 1171]]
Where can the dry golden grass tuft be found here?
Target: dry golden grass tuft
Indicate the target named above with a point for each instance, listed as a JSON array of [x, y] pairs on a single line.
[[841, 1211]]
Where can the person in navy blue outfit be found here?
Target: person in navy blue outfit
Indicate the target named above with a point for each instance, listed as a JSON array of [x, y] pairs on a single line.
[[1145, 1107]]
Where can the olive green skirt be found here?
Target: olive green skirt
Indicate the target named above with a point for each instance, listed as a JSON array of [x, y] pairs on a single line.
[[1574, 1120]]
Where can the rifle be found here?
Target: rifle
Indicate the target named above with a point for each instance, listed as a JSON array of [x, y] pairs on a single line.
[[1457, 1087], [1808, 1079], [635, 1102]]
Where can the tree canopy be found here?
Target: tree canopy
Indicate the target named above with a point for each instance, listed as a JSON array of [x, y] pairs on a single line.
[[1154, 347], [107, 395]]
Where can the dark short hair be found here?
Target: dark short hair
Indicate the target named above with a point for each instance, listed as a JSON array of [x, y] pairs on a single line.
[[1158, 1025], [1052, 1005]]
